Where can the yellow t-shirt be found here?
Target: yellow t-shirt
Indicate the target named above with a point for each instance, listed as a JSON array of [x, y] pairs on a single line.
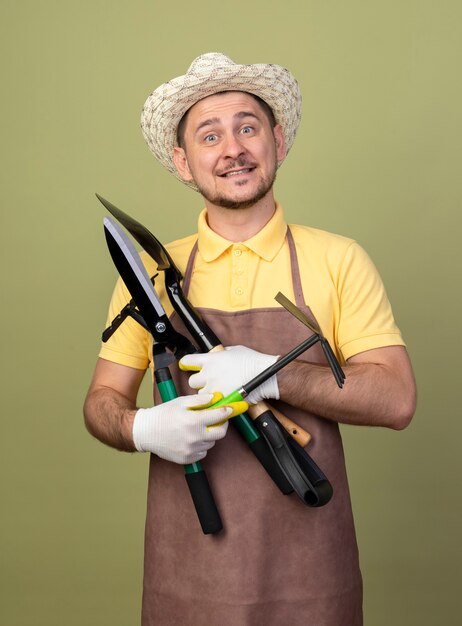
[[340, 284]]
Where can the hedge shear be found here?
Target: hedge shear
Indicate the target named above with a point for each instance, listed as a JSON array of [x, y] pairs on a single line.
[[169, 345]]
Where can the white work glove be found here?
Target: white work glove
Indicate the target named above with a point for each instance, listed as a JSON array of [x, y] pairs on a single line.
[[229, 369], [177, 433]]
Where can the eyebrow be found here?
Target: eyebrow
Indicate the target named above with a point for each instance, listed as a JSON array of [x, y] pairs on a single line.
[[216, 120]]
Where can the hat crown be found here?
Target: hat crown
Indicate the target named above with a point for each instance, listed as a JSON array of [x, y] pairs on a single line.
[[206, 62]]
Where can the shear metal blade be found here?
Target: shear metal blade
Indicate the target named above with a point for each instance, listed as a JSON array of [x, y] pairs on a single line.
[[143, 236], [132, 270]]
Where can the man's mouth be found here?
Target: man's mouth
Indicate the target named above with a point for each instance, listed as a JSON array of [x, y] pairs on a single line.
[[244, 170]]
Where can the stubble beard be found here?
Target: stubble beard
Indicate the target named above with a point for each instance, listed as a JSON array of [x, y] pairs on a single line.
[[227, 202]]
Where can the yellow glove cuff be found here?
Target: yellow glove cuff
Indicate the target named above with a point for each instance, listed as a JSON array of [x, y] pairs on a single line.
[[189, 368], [238, 407]]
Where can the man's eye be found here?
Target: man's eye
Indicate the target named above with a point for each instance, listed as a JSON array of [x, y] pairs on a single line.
[[246, 130], [210, 138]]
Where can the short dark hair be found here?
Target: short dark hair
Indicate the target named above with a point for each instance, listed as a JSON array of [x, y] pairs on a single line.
[[264, 105]]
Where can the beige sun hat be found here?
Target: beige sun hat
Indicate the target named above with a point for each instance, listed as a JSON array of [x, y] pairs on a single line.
[[209, 74]]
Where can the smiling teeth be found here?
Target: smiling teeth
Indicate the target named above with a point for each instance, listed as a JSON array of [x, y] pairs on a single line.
[[244, 171]]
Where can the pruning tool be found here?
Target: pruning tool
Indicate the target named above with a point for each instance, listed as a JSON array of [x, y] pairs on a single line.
[[169, 345]]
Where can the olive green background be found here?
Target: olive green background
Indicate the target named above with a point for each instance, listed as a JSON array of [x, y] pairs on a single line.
[[377, 158]]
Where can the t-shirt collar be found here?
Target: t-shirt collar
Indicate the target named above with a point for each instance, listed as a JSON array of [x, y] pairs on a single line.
[[266, 243]]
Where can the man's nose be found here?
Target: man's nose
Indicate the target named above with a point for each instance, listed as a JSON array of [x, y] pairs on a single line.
[[233, 146]]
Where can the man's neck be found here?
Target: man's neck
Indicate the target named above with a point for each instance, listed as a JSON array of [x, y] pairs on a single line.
[[240, 224]]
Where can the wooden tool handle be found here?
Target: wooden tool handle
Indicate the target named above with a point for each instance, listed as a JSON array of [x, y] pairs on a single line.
[[301, 436]]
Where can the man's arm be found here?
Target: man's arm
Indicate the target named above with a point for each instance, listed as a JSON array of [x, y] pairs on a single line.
[[379, 389], [110, 405]]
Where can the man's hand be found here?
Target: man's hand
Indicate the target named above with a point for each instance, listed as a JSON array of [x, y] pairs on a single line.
[[177, 433], [229, 369]]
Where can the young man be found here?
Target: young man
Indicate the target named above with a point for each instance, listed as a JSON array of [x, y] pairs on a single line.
[[224, 129]]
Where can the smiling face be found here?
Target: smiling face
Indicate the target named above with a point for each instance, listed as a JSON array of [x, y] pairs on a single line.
[[230, 150]]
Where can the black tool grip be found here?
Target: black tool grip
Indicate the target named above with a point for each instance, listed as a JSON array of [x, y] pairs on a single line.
[[201, 332], [260, 448], [204, 503], [322, 488], [302, 473]]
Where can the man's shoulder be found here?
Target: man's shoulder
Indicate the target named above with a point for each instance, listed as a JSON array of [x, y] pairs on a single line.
[[180, 245], [323, 249], [316, 236]]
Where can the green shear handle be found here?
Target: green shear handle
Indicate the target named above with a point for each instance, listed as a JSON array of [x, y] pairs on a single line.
[[199, 487]]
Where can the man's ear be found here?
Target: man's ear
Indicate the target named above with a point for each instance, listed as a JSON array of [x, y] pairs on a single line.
[[181, 163], [280, 143]]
